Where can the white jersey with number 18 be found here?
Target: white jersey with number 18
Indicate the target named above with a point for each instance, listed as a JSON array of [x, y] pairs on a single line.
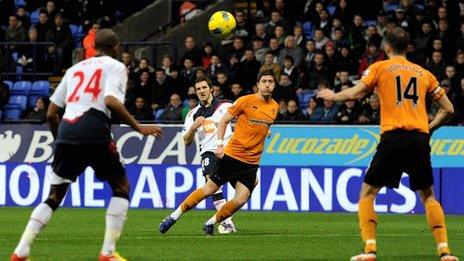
[[86, 84]]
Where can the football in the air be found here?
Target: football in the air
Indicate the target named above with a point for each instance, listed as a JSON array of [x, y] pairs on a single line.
[[221, 24]]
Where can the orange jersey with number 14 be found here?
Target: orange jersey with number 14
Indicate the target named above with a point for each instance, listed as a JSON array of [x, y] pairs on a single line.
[[402, 87]]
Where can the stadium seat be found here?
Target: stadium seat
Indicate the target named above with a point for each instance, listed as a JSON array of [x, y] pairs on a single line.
[[158, 113], [13, 114], [40, 87], [18, 3], [390, 7], [308, 29], [9, 83], [34, 17], [303, 98], [21, 88], [31, 99], [331, 9], [17, 102]]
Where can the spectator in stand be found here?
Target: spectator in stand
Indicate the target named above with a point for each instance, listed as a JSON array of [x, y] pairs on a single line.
[[223, 82], [436, 65], [238, 48], [312, 105], [292, 50], [348, 112], [293, 113], [274, 47], [192, 102], [459, 64], [234, 66], [460, 40], [316, 73], [173, 112], [423, 42], [285, 88], [23, 17], [200, 72], [144, 87], [290, 69], [458, 103], [347, 62], [89, 41], [191, 52], [282, 109], [260, 31], [236, 91], [371, 112], [15, 32], [343, 12], [206, 54], [402, 20], [4, 94], [218, 93], [449, 40], [248, 71], [309, 52], [188, 72], [381, 23], [144, 65], [243, 29], [276, 20], [61, 36], [39, 113], [372, 36], [161, 89], [177, 82], [356, 34], [320, 39], [343, 79], [373, 54], [26, 58], [325, 113], [259, 49], [338, 39], [167, 63], [331, 57], [451, 76], [141, 111], [300, 39], [43, 26], [215, 66], [51, 10], [270, 65], [279, 34], [126, 59], [324, 23]]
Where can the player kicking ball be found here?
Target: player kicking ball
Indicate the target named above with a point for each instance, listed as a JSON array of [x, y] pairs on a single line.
[[238, 162], [90, 90], [203, 120], [404, 142]]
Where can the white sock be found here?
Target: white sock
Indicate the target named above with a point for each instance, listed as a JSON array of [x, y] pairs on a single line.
[[39, 218], [177, 213], [116, 215], [212, 221]]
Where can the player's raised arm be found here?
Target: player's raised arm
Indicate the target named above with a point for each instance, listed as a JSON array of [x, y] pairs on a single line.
[[220, 133], [352, 93], [445, 111], [118, 108]]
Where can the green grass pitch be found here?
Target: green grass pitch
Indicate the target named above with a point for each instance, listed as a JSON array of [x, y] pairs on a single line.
[[76, 234]]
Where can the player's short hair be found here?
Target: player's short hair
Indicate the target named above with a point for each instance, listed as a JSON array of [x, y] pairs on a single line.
[[105, 40], [398, 40], [265, 73], [204, 79]]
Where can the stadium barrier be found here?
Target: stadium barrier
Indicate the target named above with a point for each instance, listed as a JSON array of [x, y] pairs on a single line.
[[304, 168]]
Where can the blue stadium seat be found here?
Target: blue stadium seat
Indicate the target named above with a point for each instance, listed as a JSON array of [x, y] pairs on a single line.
[[308, 29], [9, 83], [34, 17], [17, 102], [303, 98], [13, 114], [21, 88], [31, 99], [18, 3], [158, 113], [390, 7], [331, 10], [40, 87]]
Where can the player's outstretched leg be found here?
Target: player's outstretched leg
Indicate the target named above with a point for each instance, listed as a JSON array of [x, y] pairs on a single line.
[[116, 215], [367, 223], [436, 220], [40, 216], [190, 202], [242, 194], [226, 226]]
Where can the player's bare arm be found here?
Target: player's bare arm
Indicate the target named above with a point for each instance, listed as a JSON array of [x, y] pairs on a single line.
[[445, 111], [190, 134], [117, 107], [352, 93], [53, 118], [220, 133]]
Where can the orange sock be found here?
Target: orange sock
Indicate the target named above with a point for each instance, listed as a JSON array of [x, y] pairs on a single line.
[[367, 224], [436, 220], [226, 211], [192, 200]]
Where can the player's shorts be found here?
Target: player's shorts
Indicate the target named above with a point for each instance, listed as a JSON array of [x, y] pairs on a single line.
[[401, 151], [71, 160], [208, 163], [231, 170]]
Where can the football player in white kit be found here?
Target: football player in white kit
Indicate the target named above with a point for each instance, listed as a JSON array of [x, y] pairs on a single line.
[[203, 120], [90, 91]]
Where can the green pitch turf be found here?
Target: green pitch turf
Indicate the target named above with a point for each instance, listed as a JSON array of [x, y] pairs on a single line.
[[76, 234]]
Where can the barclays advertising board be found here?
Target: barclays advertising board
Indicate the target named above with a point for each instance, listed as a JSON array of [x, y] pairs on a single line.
[[300, 171]]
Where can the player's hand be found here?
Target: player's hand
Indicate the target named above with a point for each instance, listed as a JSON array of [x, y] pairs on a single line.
[[219, 151], [198, 122], [151, 130], [326, 94]]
